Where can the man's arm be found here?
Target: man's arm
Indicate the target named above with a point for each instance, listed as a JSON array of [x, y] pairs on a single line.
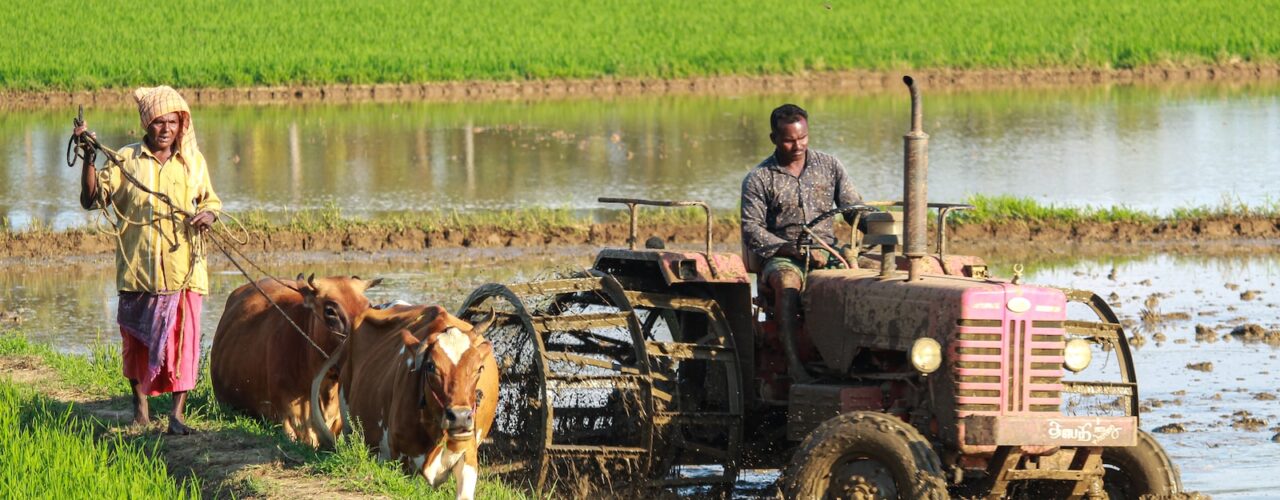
[[846, 193], [755, 233], [88, 175], [208, 202]]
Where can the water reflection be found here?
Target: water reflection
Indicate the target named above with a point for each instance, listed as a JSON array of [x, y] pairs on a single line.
[[1150, 148]]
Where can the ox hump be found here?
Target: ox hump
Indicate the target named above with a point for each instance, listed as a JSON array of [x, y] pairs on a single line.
[[454, 343]]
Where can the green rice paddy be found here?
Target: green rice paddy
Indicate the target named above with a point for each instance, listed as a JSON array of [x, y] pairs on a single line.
[[63, 44]]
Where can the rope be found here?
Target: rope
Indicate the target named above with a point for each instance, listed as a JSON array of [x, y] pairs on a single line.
[[85, 147]]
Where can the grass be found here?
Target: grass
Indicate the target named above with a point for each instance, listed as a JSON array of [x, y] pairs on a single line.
[[88, 45], [987, 210], [350, 466], [47, 450], [330, 218], [994, 209]]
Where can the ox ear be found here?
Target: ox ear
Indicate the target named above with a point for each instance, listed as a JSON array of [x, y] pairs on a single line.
[[479, 329], [415, 346], [368, 283]]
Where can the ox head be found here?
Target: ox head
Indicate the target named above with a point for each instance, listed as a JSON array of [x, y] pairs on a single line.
[[336, 301], [449, 362]]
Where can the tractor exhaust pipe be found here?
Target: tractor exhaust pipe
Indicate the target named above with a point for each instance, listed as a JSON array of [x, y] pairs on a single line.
[[915, 186]]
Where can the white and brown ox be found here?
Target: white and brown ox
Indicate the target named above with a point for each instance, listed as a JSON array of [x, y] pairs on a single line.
[[423, 386], [263, 365]]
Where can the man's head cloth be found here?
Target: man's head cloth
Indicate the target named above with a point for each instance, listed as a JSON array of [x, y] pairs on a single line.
[[154, 102]]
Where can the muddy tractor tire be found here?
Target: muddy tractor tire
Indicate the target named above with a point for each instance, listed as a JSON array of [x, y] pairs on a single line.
[[1144, 469], [864, 455]]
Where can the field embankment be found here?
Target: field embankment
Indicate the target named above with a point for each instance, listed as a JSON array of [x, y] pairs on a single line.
[[333, 50], [66, 426], [1005, 221]]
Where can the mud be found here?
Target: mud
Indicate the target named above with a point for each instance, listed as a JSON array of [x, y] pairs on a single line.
[[1013, 238], [840, 81]]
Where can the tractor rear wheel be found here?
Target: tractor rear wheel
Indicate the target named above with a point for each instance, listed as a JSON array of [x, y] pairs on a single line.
[[864, 455], [1134, 471]]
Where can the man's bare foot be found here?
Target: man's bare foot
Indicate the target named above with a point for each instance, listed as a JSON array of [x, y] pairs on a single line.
[[178, 427], [141, 410]]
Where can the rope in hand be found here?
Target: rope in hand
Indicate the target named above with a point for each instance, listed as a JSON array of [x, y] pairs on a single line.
[[85, 147]]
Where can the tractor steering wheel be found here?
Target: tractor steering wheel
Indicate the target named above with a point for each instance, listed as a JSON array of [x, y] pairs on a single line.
[[806, 240], [856, 207]]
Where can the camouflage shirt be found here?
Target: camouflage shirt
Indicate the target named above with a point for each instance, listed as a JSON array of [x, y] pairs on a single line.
[[775, 204]]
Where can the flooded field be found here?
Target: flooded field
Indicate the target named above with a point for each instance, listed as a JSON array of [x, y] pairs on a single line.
[[1152, 148], [1222, 451]]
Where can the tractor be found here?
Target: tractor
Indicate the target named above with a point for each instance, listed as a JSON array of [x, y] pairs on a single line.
[[661, 369]]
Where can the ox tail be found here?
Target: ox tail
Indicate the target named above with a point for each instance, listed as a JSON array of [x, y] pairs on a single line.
[[321, 428]]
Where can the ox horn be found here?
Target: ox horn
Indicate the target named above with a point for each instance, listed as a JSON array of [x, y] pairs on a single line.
[[321, 428], [479, 329]]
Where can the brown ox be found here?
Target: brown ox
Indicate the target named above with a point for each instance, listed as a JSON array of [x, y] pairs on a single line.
[[423, 385], [262, 365]]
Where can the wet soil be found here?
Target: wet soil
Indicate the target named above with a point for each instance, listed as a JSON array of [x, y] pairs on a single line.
[[839, 81], [1011, 237], [228, 464]]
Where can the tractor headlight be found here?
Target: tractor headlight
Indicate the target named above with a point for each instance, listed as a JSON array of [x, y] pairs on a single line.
[[926, 355], [1077, 355]]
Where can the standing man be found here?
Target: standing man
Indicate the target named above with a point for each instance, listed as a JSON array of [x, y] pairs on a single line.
[[162, 199], [780, 195]]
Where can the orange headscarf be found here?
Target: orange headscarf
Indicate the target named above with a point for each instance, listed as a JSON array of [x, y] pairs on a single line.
[[154, 102]]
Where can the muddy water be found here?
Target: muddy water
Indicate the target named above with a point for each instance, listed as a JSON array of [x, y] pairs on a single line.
[[1216, 457], [72, 306], [1147, 147]]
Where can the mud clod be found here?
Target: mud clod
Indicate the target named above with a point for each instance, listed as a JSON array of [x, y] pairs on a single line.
[[1264, 396], [1174, 428], [1244, 420], [1249, 294], [1253, 332], [1206, 334], [1204, 366]]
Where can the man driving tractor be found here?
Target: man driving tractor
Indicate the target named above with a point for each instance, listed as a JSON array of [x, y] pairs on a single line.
[[779, 196]]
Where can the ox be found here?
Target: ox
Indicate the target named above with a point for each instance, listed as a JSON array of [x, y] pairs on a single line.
[[261, 364], [423, 385]]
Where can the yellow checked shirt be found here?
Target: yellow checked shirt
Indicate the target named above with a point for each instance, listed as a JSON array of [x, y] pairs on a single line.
[[155, 251]]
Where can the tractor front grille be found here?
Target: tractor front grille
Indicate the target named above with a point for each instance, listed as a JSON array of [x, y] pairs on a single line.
[[1009, 366]]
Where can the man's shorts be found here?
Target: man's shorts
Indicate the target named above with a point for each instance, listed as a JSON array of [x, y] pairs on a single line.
[[777, 264]]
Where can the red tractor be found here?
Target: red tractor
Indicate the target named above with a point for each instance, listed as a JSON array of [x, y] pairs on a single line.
[[657, 369]]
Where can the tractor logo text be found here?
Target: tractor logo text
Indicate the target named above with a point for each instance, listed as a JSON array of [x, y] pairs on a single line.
[[1086, 432]]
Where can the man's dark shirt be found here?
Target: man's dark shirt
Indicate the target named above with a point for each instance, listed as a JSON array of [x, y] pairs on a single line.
[[775, 204]]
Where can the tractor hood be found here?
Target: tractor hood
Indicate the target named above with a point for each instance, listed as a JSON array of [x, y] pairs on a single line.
[[850, 309]]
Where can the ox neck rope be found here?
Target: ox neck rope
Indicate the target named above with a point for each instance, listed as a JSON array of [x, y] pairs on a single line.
[[86, 147]]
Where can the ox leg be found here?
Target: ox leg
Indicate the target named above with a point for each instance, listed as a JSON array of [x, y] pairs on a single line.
[[465, 475], [141, 411], [177, 420]]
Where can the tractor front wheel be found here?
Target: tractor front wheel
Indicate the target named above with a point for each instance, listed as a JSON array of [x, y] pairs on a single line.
[[1134, 471], [864, 455]]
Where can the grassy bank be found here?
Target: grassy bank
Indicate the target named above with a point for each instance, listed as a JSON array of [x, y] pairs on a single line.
[[48, 450], [349, 468], [117, 43], [997, 209], [986, 210]]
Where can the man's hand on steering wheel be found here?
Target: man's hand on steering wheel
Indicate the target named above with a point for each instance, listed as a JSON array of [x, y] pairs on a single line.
[[817, 258]]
